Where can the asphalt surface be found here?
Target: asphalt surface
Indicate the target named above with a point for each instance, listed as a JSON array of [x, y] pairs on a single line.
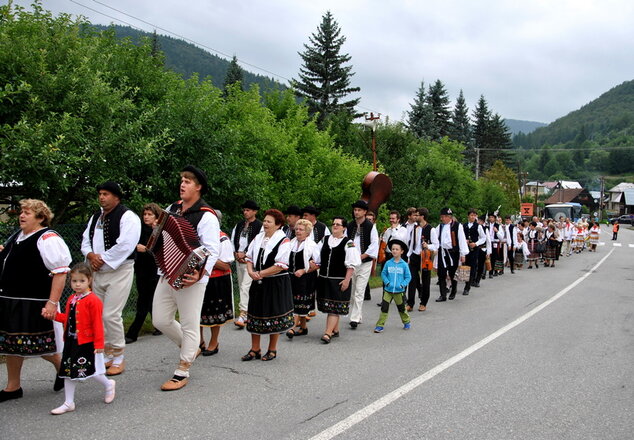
[[566, 372]]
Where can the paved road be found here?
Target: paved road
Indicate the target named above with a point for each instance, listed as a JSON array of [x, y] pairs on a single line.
[[567, 372]]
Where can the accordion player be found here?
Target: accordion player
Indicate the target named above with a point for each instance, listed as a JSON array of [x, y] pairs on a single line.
[[176, 248]]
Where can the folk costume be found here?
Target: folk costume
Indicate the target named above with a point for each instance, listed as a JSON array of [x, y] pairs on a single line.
[[413, 259], [270, 308], [336, 256], [114, 236], [594, 233], [426, 267], [474, 233], [26, 265], [496, 237], [450, 243], [366, 239], [188, 301], [217, 308], [303, 288]]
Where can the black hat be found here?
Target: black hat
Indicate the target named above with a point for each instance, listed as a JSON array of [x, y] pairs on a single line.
[[250, 204], [446, 211], [399, 242], [112, 187], [200, 176], [293, 210], [360, 204], [311, 210]]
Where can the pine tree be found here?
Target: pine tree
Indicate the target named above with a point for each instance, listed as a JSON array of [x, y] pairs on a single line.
[[234, 74], [481, 118], [421, 116], [499, 138], [460, 122], [324, 79], [438, 100]]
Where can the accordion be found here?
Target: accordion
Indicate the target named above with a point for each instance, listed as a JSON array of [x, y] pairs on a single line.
[[176, 248]]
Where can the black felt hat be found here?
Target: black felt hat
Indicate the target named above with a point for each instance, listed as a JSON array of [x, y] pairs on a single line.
[[311, 210], [399, 242], [293, 210], [200, 176], [360, 204], [250, 204], [112, 187], [446, 211]]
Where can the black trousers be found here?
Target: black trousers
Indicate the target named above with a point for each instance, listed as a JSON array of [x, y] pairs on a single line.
[[145, 286], [510, 253], [472, 261], [445, 267], [425, 285], [415, 283], [482, 256]]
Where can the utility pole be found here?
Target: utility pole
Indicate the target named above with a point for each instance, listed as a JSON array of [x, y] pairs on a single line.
[[372, 122], [601, 197], [477, 170]]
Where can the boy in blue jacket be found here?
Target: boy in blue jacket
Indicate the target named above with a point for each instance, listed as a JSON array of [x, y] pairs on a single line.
[[396, 277]]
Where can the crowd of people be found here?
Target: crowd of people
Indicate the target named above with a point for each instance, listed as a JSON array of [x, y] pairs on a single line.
[[288, 265]]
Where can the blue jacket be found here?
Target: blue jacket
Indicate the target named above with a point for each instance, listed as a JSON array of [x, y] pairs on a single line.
[[396, 276]]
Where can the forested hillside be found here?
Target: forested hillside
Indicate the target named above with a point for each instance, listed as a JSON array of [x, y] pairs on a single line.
[[597, 139], [516, 126], [186, 58]]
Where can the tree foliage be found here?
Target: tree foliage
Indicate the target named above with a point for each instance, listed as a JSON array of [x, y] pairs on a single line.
[[234, 74], [324, 77]]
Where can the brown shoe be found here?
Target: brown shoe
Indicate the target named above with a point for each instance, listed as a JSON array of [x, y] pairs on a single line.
[[409, 308], [422, 308], [174, 384], [116, 369], [312, 313]]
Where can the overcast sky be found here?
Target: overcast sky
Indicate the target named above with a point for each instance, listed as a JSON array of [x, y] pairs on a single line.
[[533, 60]]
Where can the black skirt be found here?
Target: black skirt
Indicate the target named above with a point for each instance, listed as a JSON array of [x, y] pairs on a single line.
[[78, 360], [330, 298], [218, 303], [303, 293], [270, 308], [23, 331]]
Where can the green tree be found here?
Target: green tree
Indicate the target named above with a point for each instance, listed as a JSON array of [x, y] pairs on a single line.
[[234, 74], [324, 78], [504, 177], [438, 100], [460, 130], [420, 118], [481, 118]]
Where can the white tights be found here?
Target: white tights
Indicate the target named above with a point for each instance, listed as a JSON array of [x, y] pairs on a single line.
[[70, 385]]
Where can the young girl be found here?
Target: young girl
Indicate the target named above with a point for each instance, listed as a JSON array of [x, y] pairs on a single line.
[[83, 340]]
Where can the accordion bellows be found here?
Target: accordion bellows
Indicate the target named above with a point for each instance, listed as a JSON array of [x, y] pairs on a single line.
[[176, 248]]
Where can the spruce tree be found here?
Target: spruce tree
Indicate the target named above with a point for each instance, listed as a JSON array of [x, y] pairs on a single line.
[[421, 117], [234, 74], [499, 142], [438, 100], [324, 79], [481, 118], [460, 122]]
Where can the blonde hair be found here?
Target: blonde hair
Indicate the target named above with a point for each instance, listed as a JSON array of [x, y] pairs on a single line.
[[306, 224], [39, 208]]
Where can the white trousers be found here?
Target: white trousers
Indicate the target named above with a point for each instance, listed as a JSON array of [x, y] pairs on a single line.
[[360, 279], [244, 283], [113, 289], [188, 302]]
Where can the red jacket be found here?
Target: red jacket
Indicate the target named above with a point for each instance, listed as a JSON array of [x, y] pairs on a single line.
[[88, 320]]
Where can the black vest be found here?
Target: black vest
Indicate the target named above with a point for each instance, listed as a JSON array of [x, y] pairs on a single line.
[[111, 227], [22, 267], [333, 260], [319, 231], [494, 238], [253, 229], [194, 214], [454, 235], [261, 264], [471, 233], [426, 233], [364, 238]]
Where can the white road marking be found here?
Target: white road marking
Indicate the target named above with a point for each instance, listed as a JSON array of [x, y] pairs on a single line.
[[616, 244], [601, 243], [631, 245], [389, 398]]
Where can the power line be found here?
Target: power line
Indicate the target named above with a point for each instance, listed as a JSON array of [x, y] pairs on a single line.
[[185, 39]]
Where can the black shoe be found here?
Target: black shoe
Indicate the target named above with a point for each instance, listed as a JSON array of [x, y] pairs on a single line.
[[157, 333], [378, 304], [129, 340], [452, 296], [476, 284], [494, 274], [210, 352], [441, 298], [59, 383], [512, 270], [465, 292], [353, 324], [9, 395]]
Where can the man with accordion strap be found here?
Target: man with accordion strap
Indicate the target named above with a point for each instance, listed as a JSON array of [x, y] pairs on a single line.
[[186, 293]]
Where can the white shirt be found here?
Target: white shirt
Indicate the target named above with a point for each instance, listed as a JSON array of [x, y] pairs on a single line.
[[260, 241], [373, 247], [53, 250], [352, 258], [130, 232], [309, 247]]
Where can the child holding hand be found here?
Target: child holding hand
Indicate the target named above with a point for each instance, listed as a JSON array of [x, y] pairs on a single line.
[[396, 277], [82, 357]]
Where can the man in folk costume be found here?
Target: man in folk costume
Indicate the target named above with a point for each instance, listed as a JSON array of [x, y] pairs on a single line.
[[475, 238], [366, 238], [413, 254], [188, 301], [292, 213], [425, 231], [484, 252], [496, 236], [320, 230], [449, 240], [510, 235], [242, 235], [396, 231], [567, 243], [109, 245]]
